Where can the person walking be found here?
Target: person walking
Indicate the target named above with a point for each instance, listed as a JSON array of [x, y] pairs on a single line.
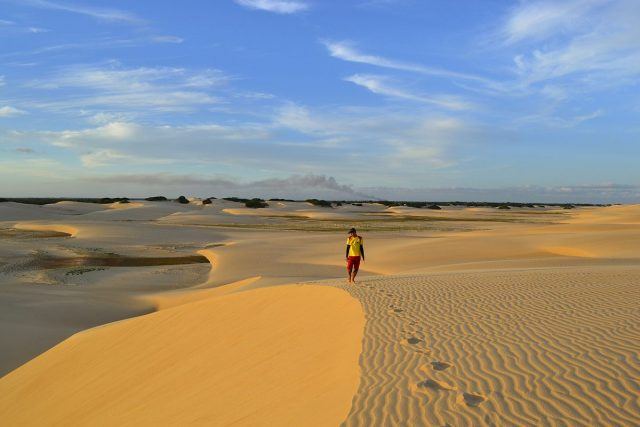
[[355, 252]]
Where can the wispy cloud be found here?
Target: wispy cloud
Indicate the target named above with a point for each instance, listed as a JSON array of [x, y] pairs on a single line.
[[113, 86], [104, 14], [591, 44], [276, 6], [538, 20], [167, 39], [554, 119], [92, 45], [8, 111], [348, 52], [380, 85]]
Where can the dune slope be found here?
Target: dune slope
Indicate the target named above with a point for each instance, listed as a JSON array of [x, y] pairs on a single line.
[[277, 356]]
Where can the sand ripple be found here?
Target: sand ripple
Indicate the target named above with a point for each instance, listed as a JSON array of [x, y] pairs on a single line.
[[526, 348]]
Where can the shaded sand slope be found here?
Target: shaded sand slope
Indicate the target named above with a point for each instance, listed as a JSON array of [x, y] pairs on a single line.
[[264, 357], [526, 348]]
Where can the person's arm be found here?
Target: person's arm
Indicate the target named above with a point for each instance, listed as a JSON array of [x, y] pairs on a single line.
[[362, 251], [346, 255]]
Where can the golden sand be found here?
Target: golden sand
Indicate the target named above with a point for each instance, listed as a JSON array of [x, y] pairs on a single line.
[[473, 317], [265, 357]]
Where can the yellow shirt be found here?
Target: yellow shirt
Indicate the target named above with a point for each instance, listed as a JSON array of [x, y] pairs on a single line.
[[355, 243]]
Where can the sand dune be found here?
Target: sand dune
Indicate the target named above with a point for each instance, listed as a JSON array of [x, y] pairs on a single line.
[[552, 347], [265, 357], [520, 317]]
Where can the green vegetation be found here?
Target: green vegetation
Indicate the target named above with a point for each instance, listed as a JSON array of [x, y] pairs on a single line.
[[182, 200], [83, 270], [434, 207], [156, 199], [206, 202], [256, 203], [236, 199], [321, 203], [109, 200]]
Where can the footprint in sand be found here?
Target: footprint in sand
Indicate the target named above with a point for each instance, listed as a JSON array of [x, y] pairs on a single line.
[[411, 341], [395, 310], [440, 366], [435, 366], [432, 384], [471, 399]]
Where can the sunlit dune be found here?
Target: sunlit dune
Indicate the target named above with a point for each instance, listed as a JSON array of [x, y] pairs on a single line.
[[266, 357]]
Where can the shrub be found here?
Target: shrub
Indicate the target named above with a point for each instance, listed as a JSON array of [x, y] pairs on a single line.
[[503, 207], [206, 202], [321, 203], [256, 203], [356, 204], [434, 207], [568, 207], [236, 199], [182, 200], [156, 199], [416, 204]]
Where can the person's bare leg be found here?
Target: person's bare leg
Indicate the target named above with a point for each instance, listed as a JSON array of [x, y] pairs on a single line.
[[348, 276], [354, 273]]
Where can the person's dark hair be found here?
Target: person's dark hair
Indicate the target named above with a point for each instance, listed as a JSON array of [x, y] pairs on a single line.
[[353, 230]]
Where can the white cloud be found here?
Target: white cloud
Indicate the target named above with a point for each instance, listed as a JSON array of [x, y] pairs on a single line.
[[295, 139], [379, 85], [8, 111], [37, 30], [102, 158], [554, 119], [104, 14], [592, 44], [167, 39], [347, 52], [276, 6], [537, 20], [108, 133], [144, 89]]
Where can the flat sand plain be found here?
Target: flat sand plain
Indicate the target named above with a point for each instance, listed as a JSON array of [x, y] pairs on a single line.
[[152, 313]]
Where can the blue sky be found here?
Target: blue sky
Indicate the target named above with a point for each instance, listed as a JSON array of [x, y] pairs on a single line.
[[401, 99]]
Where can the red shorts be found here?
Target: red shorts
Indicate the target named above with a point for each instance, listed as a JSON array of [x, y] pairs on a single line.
[[353, 263]]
